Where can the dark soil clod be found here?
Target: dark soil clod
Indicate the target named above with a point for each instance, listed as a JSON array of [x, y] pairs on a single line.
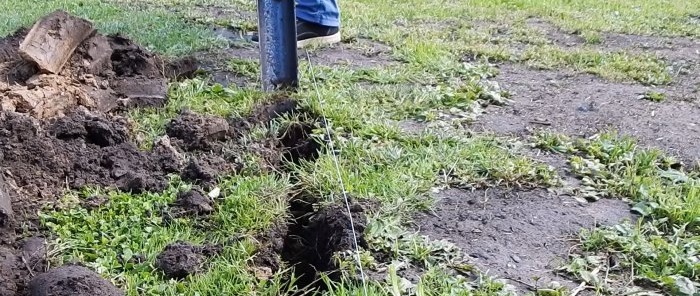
[[34, 253], [204, 170], [198, 132], [270, 247], [190, 203], [72, 280], [275, 110], [181, 259], [94, 202]]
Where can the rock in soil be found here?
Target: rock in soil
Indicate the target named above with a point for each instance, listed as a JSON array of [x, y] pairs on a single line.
[[72, 280], [181, 259]]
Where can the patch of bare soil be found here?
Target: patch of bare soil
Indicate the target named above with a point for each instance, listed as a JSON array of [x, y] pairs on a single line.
[[356, 54], [582, 105], [557, 35], [680, 53], [669, 48], [516, 235]]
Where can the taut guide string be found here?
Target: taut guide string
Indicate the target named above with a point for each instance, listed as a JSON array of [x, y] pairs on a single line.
[[331, 145]]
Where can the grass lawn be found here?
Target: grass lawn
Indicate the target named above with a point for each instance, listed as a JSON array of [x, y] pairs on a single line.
[[427, 80]]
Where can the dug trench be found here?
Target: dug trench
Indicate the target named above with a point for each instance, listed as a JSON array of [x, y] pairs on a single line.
[[67, 131]]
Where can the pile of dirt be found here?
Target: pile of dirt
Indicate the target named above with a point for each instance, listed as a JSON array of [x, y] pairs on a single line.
[[83, 148], [103, 73], [72, 280], [181, 259], [205, 137]]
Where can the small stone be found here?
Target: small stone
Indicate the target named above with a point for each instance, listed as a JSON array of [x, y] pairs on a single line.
[[515, 258]]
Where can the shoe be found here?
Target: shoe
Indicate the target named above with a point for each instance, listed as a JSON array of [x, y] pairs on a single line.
[[312, 34]]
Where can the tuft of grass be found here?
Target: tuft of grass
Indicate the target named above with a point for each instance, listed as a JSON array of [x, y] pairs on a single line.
[[645, 69], [654, 96], [244, 67], [661, 248]]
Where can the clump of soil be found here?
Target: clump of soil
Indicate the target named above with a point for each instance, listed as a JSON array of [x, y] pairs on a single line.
[[315, 236], [181, 259], [34, 253], [198, 132], [104, 73], [77, 150], [270, 246], [207, 137], [72, 280], [191, 203]]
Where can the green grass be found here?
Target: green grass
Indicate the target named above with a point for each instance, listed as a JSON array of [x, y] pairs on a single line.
[[654, 96], [615, 66], [661, 248], [133, 225]]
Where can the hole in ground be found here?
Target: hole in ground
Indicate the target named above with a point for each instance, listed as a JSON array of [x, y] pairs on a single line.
[[296, 140], [299, 143], [315, 235]]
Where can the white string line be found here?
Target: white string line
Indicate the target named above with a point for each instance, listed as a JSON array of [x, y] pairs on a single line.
[[339, 174]]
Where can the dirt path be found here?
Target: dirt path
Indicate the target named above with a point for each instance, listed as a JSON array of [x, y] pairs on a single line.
[[582, 105], [517, 235]]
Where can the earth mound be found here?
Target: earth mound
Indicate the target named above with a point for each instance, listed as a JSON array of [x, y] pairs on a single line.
[[72, 280], [102, 73]]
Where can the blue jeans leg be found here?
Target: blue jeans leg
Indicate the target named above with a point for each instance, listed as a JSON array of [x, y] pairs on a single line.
[[322, 12]]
